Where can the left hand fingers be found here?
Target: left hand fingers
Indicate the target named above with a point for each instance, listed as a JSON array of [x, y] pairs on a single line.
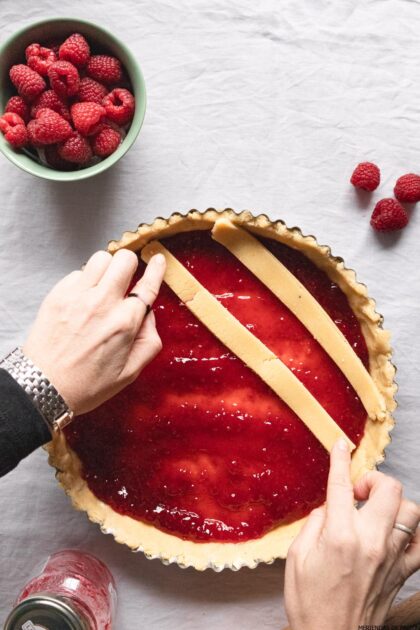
[[117, 277], [95, 267], [147, 288], [146, 346]]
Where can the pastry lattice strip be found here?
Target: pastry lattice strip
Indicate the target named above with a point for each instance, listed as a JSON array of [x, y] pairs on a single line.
[[241, 342], [280, 281]]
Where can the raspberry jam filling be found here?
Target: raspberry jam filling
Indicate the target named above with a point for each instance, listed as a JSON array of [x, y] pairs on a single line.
[[198, 445]]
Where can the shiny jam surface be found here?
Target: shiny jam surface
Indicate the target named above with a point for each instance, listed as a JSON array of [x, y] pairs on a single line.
[[198, 444]]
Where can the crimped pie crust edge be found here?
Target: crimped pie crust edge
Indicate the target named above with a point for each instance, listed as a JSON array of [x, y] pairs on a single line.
[[154, 543]]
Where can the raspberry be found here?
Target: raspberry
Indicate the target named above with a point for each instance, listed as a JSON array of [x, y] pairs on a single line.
[[64, 78], [50, 100], [106, 142], [91, 90], [13, 127], [16, 105], [75, 49], [407, 188], [54, 160], [75, 149], [87, 116], [388, 215], [119, 105], [27, 82], [104, 68], [31, 135], [48, 128], [39, 58], [366, 175]]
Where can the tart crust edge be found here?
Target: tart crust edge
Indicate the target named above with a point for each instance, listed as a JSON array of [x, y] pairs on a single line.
[[153, 542]]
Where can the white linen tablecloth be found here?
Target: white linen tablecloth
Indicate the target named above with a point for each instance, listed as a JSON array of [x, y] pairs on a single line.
[[260, 105]]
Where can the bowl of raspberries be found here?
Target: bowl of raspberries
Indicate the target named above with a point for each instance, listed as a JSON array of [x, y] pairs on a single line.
[[72, 99]]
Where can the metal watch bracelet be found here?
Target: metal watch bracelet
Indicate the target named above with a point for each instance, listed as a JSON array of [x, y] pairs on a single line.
[[43, 394]]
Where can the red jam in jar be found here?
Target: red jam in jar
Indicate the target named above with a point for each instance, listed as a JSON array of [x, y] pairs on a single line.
[[82, 581]]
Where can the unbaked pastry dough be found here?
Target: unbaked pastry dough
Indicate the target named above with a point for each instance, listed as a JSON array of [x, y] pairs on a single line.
[[248, 348], [307, 309], [155, 543]]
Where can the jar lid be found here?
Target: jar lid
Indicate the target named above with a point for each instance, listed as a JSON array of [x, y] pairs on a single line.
[[45, 612]]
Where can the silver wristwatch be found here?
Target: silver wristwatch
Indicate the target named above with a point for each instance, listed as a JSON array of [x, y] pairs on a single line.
[[43, 394]]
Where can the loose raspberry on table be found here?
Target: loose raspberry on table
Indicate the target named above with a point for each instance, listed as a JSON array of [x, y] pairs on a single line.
[[388, 215], [407, 188], [366, 175], [48, 128], [64, 78], [27, 82], [17, 105], [104, 68], [86, 117], [40, 58], [91, 90], [106, 142], [119, 105], [13, 127], [75, 49], [50, 100], [75, 149]]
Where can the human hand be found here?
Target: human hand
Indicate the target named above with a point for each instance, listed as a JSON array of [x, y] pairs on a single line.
[[346, 566], [88, 338]]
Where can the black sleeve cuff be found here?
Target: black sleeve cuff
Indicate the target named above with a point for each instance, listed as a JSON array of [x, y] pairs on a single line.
[[22, 428]]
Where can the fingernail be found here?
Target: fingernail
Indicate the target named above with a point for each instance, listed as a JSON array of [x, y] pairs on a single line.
[[342, 445], [159, 259]]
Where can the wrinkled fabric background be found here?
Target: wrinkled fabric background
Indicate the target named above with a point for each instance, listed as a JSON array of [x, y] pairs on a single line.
[[266, 106]]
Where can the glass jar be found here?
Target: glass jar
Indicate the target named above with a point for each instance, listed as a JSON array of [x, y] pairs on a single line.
[[74, 589]]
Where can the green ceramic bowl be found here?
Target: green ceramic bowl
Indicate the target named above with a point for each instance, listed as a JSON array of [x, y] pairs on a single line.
[[13, 51]]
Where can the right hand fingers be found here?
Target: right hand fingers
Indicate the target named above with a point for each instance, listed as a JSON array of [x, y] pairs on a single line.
[[383, 498], [412, 556], [311, 531], [340, 499], [408, 515]]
